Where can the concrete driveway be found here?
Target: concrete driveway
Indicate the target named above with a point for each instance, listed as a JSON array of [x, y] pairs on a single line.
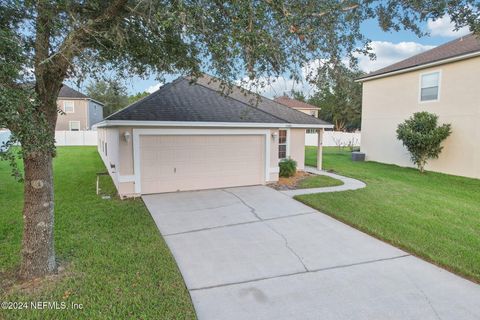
[[255, 253]]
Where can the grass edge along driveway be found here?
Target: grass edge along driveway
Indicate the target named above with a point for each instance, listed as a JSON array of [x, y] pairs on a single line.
[[117, 264], [434, 216]]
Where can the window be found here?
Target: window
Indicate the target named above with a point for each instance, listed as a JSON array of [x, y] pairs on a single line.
[[429, 86], [282, 144], [68, 107], [311, 130], [74, 125], [106, 152]]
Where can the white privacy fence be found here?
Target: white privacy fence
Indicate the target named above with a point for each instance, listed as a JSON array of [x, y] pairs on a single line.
[[76, 138], [334, 139], [63, 138]]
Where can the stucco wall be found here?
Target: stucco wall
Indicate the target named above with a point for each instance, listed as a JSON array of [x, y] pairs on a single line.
[[80, 114], [391, 100], [297, 147]]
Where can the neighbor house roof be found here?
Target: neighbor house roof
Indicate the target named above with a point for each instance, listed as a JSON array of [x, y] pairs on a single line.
[[295, 104], [185, 100], [458, 49], [67, 92]]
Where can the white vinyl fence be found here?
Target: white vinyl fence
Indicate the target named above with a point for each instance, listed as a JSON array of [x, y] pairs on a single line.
[[76, 138], [64, 138], [334, 139]]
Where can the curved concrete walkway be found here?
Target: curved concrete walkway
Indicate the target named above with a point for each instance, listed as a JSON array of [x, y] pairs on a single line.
[[348, 184]]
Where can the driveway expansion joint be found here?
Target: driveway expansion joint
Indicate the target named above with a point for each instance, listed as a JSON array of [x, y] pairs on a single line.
[[298, 273]]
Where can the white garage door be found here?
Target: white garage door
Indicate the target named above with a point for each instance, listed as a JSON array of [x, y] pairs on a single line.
[[182, 162]]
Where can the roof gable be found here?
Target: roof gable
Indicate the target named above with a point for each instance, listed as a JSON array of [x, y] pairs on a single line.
[[462, 46]]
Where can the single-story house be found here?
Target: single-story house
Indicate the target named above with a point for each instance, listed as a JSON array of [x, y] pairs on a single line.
[[445, 81], [188, 135], [79, 112]]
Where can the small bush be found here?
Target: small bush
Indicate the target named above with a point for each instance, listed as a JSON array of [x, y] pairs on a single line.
[[422, 136], [288, 167]]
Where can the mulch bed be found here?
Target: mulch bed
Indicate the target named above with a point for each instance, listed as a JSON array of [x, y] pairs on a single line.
[[290, 183]]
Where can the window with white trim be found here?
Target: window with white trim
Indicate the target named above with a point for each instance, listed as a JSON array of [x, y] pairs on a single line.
[[311, 130], [429, 86], [282, 144], [68, 107], [74, 125]]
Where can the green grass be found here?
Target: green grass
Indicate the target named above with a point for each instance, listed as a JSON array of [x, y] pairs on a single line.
[[318, 182], [432, 215], [118, 266]]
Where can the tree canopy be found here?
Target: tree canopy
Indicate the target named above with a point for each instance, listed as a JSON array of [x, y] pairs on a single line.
[[339, 96], [112, 93]]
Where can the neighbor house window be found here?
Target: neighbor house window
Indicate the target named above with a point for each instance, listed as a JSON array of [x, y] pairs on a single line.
[[68, 107], [74, 125], [282, 144], [429, 87]]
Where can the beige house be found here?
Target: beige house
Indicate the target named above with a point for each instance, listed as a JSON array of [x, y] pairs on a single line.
[[189, 136], [298, 105], [79, 111], [444, 81]]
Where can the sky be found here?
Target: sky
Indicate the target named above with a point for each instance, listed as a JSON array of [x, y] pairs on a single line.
[[389, 47]]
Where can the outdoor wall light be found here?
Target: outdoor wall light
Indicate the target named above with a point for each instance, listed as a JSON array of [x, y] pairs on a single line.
[[127, 136], [274, 135]]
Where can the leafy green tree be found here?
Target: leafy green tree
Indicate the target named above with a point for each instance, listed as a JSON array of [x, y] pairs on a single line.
[[422, 137], [112, 93], [339, 96], [45, 42], [134, 98]]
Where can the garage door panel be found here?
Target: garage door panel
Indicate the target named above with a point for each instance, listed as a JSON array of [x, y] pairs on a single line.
[[172, 163]]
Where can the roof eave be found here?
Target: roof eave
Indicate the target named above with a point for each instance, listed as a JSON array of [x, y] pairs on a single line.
[[137, 123], [419, 67]]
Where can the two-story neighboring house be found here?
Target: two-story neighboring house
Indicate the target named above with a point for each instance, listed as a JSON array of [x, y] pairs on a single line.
[[444, 81], [79, 111], [298, 105]]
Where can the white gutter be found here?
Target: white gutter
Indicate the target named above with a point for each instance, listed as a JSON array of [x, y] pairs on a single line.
[[133, 123], [423, 66]]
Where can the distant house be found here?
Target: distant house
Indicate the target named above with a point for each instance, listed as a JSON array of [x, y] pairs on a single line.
[[298, 105], [444, 81], [79, 111]]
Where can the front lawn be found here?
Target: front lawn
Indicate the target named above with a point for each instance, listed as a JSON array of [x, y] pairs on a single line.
[[432, 215], [117, 264], [318, 182]]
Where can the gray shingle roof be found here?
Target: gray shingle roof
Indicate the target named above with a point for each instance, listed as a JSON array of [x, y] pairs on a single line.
[[458, 47], [184, 100], [67, 92]]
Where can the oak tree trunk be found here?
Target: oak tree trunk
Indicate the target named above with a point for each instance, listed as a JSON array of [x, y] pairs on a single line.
[[38, 254]]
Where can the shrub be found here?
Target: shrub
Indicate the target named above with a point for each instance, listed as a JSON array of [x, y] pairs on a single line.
[[288, 167], [422, 137]]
